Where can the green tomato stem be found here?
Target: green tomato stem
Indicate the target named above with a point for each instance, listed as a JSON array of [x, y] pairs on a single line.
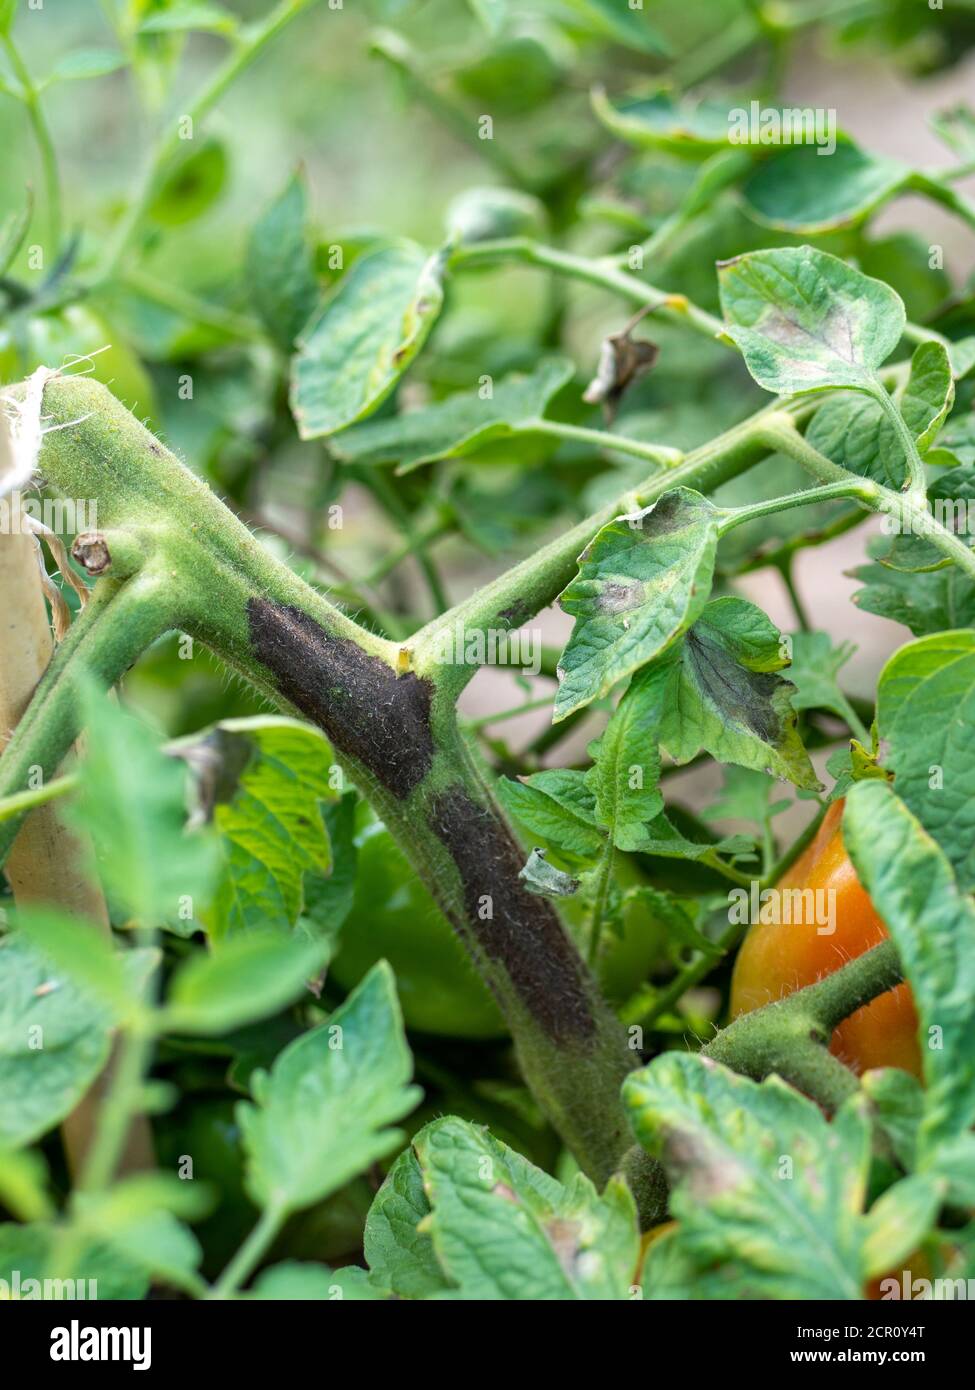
[[604, 875], [21, 802], [661, 454], [45, 144], [917, 484], [250, 1254], [676, 308], [860, 489]]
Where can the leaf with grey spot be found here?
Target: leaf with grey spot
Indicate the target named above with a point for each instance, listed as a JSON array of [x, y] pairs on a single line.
[[806, 321], [642, 582], [364, 337], [458, 425], [721, 692], [767, 1191], [503, 1229]]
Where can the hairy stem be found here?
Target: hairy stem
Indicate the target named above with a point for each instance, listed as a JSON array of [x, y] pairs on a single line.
[[790, 1036], [393, 730]]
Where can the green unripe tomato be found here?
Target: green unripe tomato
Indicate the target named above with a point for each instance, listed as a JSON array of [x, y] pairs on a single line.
[[55, 339], [394, 917]]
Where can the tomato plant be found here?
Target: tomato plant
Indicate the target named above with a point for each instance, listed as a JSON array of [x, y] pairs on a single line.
[[509, 867]]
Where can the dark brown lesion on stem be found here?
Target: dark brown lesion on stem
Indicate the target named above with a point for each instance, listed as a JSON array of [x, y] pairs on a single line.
[[372, 715], [511, 925]]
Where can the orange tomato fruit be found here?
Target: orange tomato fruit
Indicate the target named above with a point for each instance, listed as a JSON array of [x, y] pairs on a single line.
[[777, 958]]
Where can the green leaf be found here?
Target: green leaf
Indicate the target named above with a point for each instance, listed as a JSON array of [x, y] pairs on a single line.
[[610, 20], [814, 672], [929, 393], [365, 336], [925, 603], [137, 1218], [280, 267], [678, 126], [925, 709], [954, 1162], [328, 901], [322, 1114], [855, 432], [766, 1190], [12, 233], [722, 692], [665, 839], [897, 1106], [626, 774], [458, 425], [806, 321], [54, 1040], [745, 796], [801, 190], [98, 1271], [209, 18], [264, 782], [247, 978], [83, 63], [503, 1229], [88, 957], [898, 1222], [559, 805], [132, 804], [932, 923], [400, 1255], [192, 184], [642, 582]]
